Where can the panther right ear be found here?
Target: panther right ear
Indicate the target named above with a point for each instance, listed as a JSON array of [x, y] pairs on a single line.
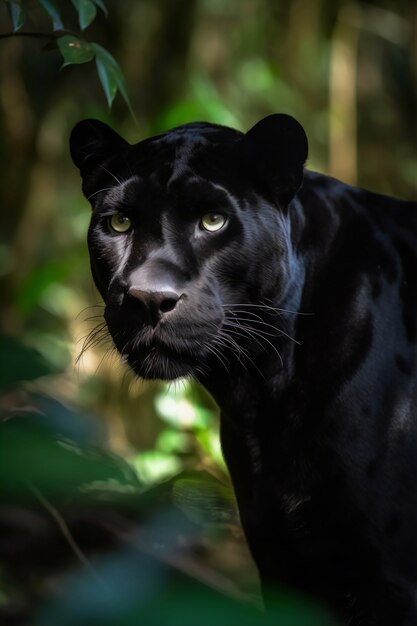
[[275, 151], [91, 142]]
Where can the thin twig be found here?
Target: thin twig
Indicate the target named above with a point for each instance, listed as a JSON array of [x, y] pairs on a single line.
[[63, 528], [37, 35]]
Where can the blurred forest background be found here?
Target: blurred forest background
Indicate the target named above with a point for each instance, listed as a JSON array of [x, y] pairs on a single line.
[[347, 71]]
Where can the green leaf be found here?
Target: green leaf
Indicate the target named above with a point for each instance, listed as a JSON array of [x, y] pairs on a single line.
[[102, 6], [17, 14], [108, 80], [105, 56], [19, 363], [204, 499], [86, 12], [154, 465], [75, 50], [111, 76], [31, 452], [53, 12]]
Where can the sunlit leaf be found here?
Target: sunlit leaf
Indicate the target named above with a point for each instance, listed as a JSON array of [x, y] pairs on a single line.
[[209, 440], [176, 410], [204, 499], [75, 50], [173, 441], [154, 466], [106, 489], [17, 14], [175, 407], [87, 11], [53, 12]]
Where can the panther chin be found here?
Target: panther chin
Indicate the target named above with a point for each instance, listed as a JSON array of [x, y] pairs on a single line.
[[158, 363]]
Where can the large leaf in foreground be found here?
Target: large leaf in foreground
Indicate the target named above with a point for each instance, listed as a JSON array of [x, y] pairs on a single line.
[[20, 363], [132, 588]]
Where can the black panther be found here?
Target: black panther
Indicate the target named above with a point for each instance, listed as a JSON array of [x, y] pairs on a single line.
[[292, 298]]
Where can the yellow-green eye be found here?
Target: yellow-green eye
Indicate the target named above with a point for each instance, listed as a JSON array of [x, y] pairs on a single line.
[[120, 223], [212, 222]]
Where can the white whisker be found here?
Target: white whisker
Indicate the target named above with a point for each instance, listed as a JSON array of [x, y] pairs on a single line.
[[99, 191], [265, 307], [111, 174]]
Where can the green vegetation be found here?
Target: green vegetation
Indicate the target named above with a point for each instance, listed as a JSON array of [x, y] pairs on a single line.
[[75, 49], [115, 502]]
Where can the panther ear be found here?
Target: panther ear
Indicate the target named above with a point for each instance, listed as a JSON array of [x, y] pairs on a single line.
[[91, 142], [275, 150]]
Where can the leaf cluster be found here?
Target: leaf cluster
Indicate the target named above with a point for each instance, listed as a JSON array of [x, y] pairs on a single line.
[[74, 47]]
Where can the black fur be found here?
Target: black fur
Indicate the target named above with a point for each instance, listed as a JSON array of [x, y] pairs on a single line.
[[299, 316]]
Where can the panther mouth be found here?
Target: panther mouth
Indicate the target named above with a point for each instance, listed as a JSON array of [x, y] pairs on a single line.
[[160, 353], [164, 352], [160, 362]]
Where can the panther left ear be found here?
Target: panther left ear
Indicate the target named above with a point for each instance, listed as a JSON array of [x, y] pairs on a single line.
[[275, 150], [91, 142]]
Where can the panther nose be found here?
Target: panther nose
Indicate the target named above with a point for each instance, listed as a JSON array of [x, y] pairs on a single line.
[[155, 303]]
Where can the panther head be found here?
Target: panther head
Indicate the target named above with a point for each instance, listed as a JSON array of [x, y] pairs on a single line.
[[190, 241]]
